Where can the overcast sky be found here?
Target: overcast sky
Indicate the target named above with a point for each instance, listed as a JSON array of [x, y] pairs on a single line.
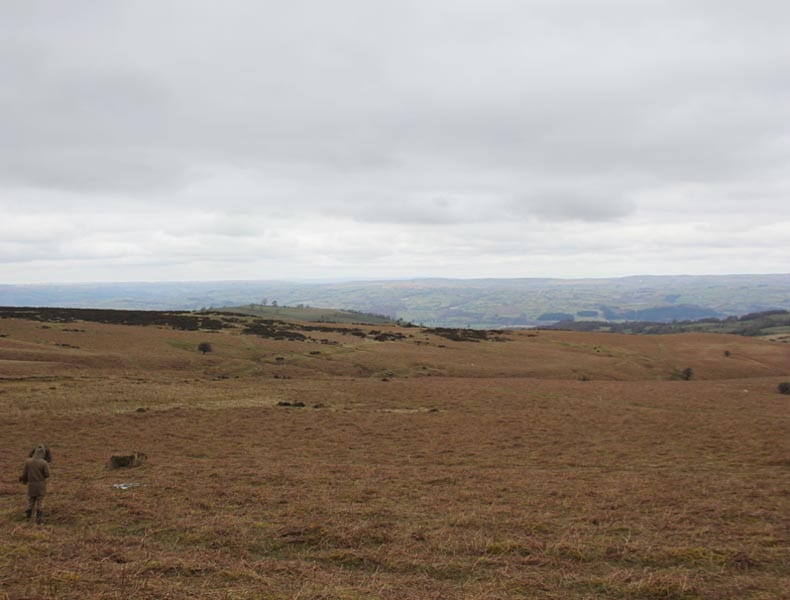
[[195, 140]]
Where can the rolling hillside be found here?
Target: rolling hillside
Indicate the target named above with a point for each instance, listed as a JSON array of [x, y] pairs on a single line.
[[296, 459], [69, 339]]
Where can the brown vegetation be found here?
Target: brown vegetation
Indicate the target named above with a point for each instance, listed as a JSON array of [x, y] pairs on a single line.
[[121, 461], [531, 465]]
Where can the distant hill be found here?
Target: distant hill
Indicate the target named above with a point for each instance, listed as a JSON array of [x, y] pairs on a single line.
[[774, 324], [309, 313], [475, 303]]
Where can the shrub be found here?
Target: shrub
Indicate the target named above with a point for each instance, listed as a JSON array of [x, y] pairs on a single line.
[[204, 347], [784, 387], [684, 375]]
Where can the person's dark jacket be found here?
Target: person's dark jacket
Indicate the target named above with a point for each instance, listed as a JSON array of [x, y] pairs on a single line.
[[36, 473]]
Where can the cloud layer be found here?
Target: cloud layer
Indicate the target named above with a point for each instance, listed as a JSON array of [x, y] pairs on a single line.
[[256, 140]]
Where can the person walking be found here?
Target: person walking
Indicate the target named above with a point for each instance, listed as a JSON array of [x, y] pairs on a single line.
[[35, 475]]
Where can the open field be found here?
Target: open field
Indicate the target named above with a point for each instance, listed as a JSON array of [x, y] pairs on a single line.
[[526, 465]]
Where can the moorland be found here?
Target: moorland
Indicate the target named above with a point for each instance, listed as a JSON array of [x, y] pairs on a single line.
[[315, 461]]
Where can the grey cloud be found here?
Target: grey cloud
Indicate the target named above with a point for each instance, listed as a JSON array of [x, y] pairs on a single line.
[[559, 92], [564, 205], [251, 119], [87, 130]]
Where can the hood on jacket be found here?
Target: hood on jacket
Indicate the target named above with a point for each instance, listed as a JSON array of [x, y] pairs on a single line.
[[41, 451]]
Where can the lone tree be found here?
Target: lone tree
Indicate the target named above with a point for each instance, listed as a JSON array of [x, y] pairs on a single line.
[[687, 374], [784, 387], [204, 347]]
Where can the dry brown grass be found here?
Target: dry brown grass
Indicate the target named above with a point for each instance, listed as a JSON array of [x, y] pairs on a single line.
[[554, 465]]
